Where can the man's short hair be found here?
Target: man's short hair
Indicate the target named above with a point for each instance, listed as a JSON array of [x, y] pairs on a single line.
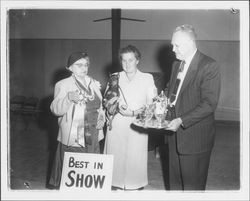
[[189, 29]]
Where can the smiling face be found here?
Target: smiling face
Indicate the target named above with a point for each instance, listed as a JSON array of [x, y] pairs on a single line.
[[129, 62], [80, 67], [182, 44]]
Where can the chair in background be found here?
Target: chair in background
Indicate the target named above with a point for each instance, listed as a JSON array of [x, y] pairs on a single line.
[[27, 108], [30, 106], [17, 103]]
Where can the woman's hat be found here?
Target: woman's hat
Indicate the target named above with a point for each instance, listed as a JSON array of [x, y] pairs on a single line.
[[75, 57]]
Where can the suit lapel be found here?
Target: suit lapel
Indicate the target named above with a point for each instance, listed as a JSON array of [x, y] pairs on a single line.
[[191, 72], [174, 75]]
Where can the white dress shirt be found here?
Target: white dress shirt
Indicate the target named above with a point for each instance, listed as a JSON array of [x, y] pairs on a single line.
[[182, 75]]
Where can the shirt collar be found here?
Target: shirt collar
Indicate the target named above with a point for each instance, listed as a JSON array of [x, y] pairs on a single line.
[[138, 72], [189, 59]]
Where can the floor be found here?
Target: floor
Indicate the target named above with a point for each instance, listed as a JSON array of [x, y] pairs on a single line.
[[32, 146]]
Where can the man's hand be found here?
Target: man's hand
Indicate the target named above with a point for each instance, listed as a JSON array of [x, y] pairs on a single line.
[[73, 96], [174, 124]]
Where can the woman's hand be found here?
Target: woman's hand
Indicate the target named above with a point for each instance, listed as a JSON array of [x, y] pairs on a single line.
[[139, 111], [128, 112], [125, 111], [73, 96]]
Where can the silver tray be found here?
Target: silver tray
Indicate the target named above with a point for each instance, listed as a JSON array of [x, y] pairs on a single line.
[[151, 124]]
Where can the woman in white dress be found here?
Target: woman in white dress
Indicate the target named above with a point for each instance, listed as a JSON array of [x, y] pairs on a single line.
[[128, 146]]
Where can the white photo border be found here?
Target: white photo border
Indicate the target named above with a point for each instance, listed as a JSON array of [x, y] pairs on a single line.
[[242, 194]]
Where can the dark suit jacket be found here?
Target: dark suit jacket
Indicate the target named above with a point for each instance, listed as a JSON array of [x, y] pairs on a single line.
[[196, 104]]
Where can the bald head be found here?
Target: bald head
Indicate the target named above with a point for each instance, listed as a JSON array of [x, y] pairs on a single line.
[[184, 41], [187, 30]]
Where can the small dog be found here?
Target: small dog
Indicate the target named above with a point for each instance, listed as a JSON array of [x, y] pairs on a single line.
[[111, 98]]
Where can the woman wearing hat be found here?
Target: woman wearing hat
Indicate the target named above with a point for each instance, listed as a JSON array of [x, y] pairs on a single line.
[[77, 103]]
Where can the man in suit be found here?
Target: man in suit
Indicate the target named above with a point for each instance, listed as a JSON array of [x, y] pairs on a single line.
[[194, 90]]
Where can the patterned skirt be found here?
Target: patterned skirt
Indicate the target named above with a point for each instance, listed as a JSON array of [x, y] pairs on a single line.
[[56, 172]]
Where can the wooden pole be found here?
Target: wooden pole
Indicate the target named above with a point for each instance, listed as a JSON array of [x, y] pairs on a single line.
[[116, 37]]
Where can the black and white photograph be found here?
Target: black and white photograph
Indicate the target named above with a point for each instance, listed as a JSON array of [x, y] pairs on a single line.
[[124, 100]]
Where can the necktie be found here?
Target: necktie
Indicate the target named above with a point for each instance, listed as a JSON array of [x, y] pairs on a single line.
[[177, 83]]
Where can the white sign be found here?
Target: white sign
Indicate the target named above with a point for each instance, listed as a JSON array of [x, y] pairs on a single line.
[[84, 171]]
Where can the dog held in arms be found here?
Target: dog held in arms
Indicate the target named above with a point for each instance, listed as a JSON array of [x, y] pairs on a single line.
[[111, 98]]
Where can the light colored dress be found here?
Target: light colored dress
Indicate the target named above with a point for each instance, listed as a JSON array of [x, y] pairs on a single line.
[[128, 146]]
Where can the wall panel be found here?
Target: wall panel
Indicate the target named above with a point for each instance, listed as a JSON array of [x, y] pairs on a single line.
[[36, 64]]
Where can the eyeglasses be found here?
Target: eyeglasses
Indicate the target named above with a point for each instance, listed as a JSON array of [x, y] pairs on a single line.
[[79, 65]]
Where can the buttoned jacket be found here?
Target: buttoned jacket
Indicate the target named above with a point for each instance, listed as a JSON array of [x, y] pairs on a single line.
[[196, 104]]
